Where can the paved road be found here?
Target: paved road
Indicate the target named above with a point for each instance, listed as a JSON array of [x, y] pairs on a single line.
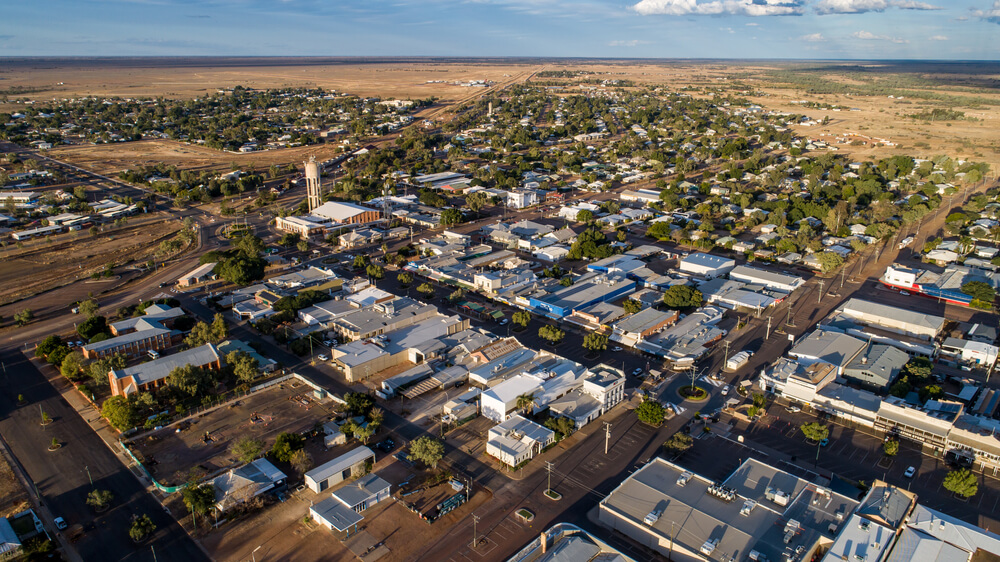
[[61, 477]]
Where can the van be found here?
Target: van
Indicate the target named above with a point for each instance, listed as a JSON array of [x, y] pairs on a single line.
[[153, 354]]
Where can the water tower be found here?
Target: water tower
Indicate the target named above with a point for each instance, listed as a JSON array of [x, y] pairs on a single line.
[[314, 190]]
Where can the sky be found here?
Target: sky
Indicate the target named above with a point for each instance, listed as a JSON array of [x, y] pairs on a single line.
[[784, 29]]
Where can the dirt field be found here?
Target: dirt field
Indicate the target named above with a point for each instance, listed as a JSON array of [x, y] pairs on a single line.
[[13, 496], [287, 407], [77, 254]]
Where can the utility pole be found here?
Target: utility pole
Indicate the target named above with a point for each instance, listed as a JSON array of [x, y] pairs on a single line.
[[607, 436], [819, 296], [475, 534], [726, 360], [153, 550], [548, 466], [768, 335], [87, 468], [843, 275]]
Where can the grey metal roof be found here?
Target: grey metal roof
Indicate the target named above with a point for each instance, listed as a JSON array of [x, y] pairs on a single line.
[[337, 514], [112, 343], [831, 347], [340, 464], [157, 369], [893, 315], [356, 492]]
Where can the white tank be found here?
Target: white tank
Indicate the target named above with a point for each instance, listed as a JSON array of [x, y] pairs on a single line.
[[312, 169]]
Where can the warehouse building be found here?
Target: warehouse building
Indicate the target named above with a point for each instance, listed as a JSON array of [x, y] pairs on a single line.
[[199, 275], [587, 290], [893, 319], [707, 265], [828, 347], [771, 279], [876, 367], [328, 216]]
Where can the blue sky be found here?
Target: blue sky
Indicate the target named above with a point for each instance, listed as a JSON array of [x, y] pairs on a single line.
[[840, 29]]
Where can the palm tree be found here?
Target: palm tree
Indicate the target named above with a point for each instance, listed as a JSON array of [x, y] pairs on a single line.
[[525, 402]]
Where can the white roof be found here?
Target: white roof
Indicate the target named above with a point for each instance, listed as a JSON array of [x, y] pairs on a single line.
[[708, 260], [513, 387], [339, 211]]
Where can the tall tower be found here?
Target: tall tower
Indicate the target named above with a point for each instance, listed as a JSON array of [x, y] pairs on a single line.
[[314, 190]]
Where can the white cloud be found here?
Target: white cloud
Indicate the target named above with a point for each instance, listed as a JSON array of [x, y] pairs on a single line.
[[937, 38], [718, 7], [753, 24], [727, 30], [628, 43], [813, 38], [868, 36], [862, 6], [992, 15]]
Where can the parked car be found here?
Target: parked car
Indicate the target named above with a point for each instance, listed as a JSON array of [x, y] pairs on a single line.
[[616, 348], [824, 442], [322, 357], [637, 371], [385, 445], [910, 472], [504, 321], [726, 389], [60, 523], [793, 409]]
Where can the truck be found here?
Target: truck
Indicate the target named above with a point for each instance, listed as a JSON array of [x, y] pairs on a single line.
[[905, 242]]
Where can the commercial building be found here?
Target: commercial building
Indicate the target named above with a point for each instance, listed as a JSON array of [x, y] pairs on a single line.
[[828, 347], [568, 543], [353, 463], [757, 513], [969, 352], [586, 290], [381, 318], [946, 286], [689, 339], [199, 274], [706, 265], [643, 324], [893, 319], [328, 216], [156, 316], [517, 440], [771, 279], [876, 367], [152, 374]]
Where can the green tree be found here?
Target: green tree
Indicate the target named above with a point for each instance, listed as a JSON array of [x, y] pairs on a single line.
[[584, 216], [92, 326], [829, 261], [650, 412], [190, 381], [476, 201], [100, 499], [631, 306], [456, 295], [815, 431], [302, 246], [241, 270], [452, 216], [71, 365], [405, 278], [285, 445], [521, 318], [199, 499], [119, 413], [245, 367], [375, 272], [246, 448], [525, 402], [426, 289], [101, 368], [363, 433], [563, 426], [890, 447], [359, 403], [360, 261], [551, 334], [249, 246], [48, 345], [678, 443], [24, 316], [595, 342], [89, 308], [682, 296], [427, 450], [979, 290], [961, 482], [141, 527]]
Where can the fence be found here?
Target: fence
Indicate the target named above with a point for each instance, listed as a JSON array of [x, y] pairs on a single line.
[[160, 487]]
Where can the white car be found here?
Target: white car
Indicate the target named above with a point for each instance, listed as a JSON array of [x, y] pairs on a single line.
[[616, 348], [322, 357], [910, 472], [726, 389], [637, 371]]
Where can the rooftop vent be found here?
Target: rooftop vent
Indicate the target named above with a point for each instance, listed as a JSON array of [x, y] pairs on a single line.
[[683, 479]]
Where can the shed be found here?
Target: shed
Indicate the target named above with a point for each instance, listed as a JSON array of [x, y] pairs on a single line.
[[339, 469]]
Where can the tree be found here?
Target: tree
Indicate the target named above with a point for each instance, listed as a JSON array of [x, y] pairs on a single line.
[[476, 201], [551, 333], [456, 295], [190, 381], [89, 308], [301, 461], [890, 447], [24, 316], [427, 450], [451, 217], [119, 413], [101, 368], [99, 499], [829, 261], [525, 402], [71, 365], [631, 306], [815, 431], [375, 272], [584, 215], [48, 345], [595, 342], [521, 318], [360, 261], [246, 449], [650, 412], [678, 443], [285, 445], [979, 290], [92, 326], [141, 527], [359, 403], [962, 482], [405, 278], [426, 289], [302, 246], [563, 426], [682, 296], [363, 433], [241, 270], [249, 246], [199, 499]]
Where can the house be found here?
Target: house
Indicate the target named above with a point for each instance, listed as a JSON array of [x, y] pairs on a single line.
[[247, 482], [152, 374], [517, 440], [355, 462], [10, 543]]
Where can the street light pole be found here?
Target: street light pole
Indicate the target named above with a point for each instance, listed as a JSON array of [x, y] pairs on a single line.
[[254, 553]]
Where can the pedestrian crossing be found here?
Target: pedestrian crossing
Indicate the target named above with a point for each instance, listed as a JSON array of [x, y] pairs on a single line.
[[677, 409], [711, 381]]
